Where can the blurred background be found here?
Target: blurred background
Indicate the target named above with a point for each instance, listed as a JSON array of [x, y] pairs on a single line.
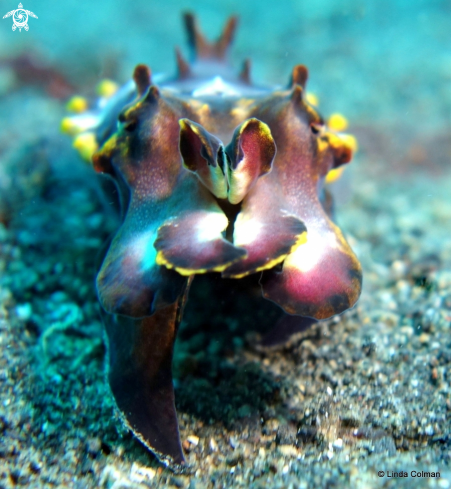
[[376, 61], [385, 65]]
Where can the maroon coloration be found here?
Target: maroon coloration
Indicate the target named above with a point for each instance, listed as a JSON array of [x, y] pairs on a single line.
[[250, 156], [299, 76], [287, 329], [204, 49], [143, 79], [140, 376], [188, 246], [203, 154], [193, 205]]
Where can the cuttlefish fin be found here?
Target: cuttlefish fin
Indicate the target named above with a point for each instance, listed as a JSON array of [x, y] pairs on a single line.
[[265, 230], [194, 243], [320, 278], [140, 355], [250, 155], [203, 154]]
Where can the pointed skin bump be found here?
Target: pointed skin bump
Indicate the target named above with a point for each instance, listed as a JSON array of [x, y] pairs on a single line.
[[196, 40], [201, 48], [152, 95], [250, 156], [195, 244], [224, 42], [201, 151], [299, 76], [140, 376], [297, 95], [245, 74], [142, 77], [183, 68]]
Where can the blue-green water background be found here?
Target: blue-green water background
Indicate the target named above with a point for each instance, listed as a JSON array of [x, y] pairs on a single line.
[[386, 61]]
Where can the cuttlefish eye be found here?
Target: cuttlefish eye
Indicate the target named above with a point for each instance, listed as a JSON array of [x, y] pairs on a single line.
[[124, 122], [316, 127]]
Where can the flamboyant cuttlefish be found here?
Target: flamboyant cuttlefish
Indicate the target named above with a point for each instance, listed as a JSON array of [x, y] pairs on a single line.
[[215, 174]]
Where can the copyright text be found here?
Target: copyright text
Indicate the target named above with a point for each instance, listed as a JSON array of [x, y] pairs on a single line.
[[413, 473]]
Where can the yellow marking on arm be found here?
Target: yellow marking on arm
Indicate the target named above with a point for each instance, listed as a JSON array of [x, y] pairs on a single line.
[[312, 99], [86, 145], [323, 145], [77, 104], [334, 174], [350, 141], [68, 126], [302, 238], [107, 88], [338, 122], [162, 260]]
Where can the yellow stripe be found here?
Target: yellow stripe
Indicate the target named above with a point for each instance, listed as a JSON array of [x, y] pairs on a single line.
[[162, 261], [302, 238]]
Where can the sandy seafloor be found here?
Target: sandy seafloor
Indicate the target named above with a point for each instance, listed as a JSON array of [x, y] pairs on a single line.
[[365, 392]]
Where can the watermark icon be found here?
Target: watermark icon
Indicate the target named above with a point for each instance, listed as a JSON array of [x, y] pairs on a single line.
[[20, 18]]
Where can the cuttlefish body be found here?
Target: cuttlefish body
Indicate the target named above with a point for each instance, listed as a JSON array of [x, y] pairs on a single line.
[[216, 175]]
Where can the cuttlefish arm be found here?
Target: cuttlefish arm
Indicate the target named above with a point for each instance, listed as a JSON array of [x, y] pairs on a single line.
[[265, 232], [172, 220], [140, 355], [135, 278], [320, 274], [263, 227], [130, 282], [287, 330], [266, 229], [321, 278]]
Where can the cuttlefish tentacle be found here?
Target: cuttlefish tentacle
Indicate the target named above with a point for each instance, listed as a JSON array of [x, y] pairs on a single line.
[[194, 243], [229, 173], [266, 230], [322, 277], [140, 355]]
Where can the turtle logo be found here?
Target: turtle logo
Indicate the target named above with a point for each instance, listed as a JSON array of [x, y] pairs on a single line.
[[20, 18]]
